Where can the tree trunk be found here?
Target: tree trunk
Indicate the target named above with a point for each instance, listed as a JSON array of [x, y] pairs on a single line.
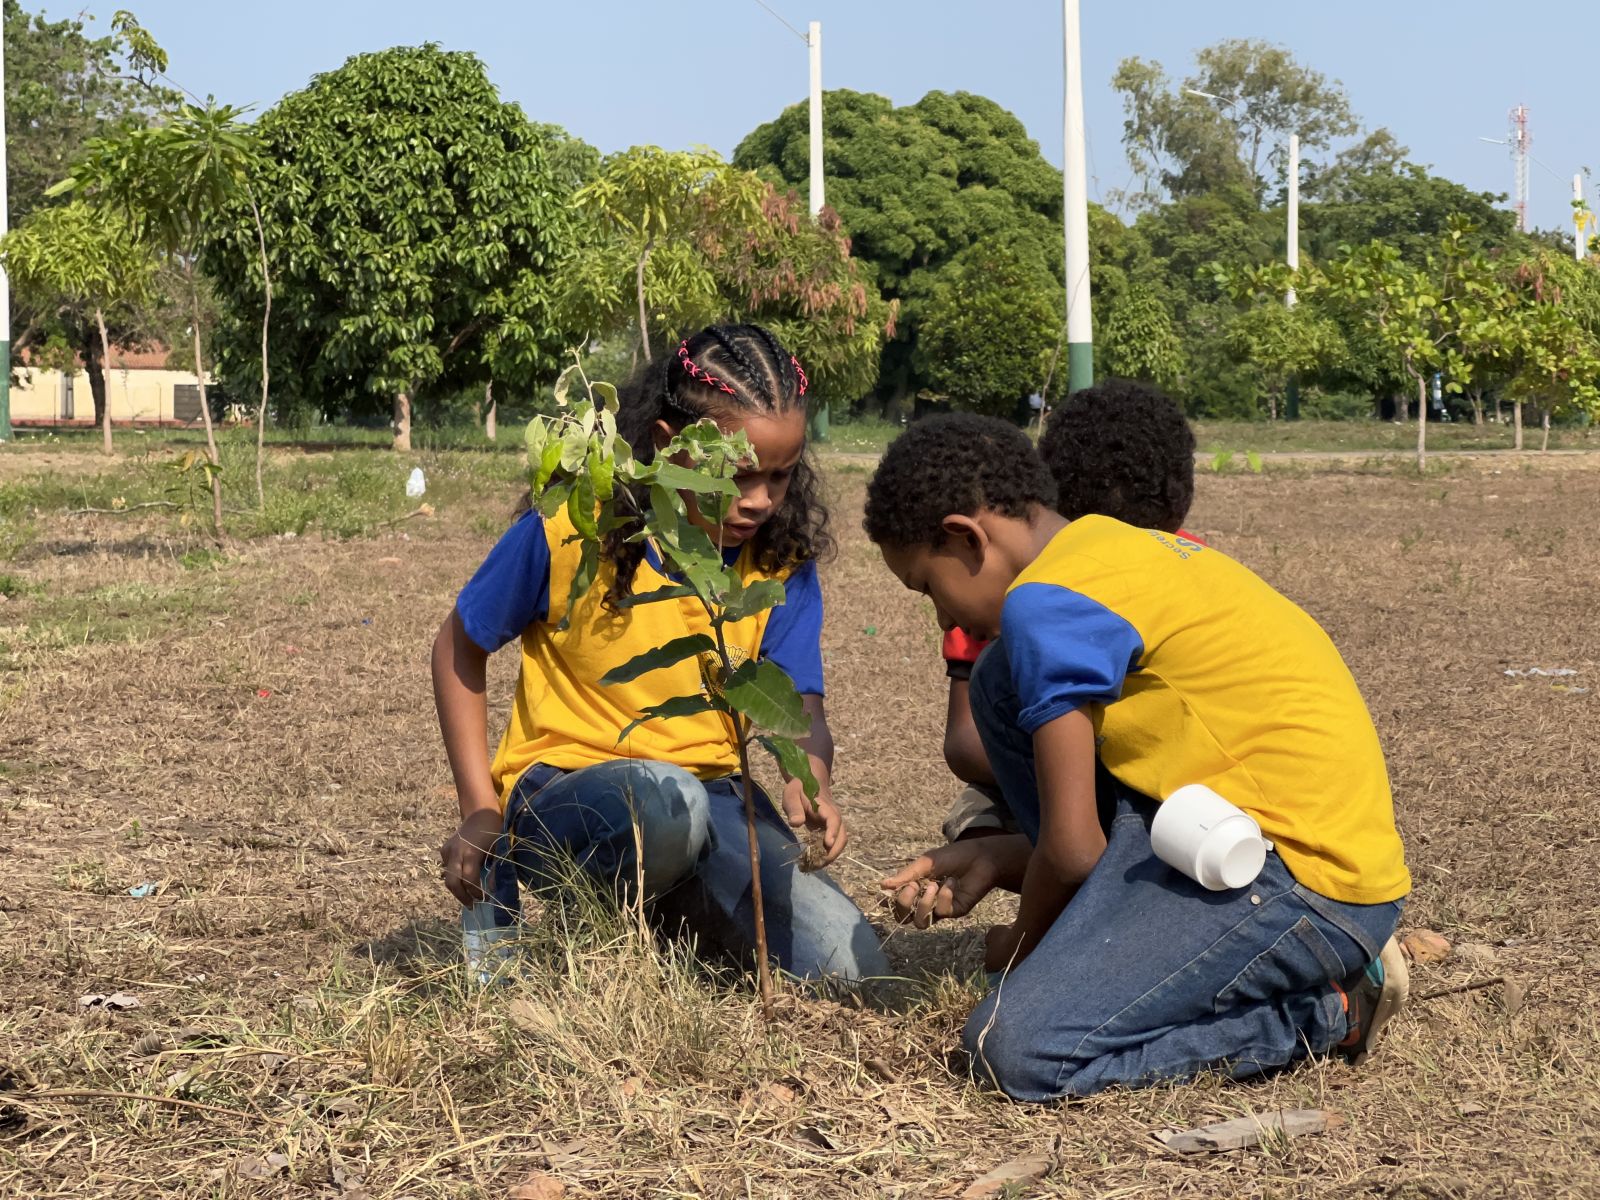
[[1544, 444], [490, 425], [205, 404], [1422, 423], [1272, 404], [266, 317], [97, 358], [1477, 407], [644, 325], [104, 396], [1402, 407], [1499, 413], [402, 422], [1516, 422]]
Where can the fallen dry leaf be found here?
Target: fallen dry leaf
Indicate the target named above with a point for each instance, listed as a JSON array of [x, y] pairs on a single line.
[[538, 1186], [114, 1000], [1425, 946], [630, 1087], [1026, 1169], [1243, 1132], [253, 1167]]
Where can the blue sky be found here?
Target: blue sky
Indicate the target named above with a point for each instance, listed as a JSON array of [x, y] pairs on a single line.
[[620, 72]]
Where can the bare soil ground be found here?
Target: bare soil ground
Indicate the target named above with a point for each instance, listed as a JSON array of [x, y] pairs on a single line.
[[253, 735]]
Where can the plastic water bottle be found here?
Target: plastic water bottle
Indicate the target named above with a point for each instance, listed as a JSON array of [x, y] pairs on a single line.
[[486, 945], [416, 485]]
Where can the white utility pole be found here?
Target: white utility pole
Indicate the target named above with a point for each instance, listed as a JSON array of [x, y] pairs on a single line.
[[5, 282], [1294, 211], [1580, 218], [814, 40], [1075, 194]]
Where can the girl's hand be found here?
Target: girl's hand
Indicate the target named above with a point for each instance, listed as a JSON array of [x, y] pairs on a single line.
[[823, 814], [461, 858]]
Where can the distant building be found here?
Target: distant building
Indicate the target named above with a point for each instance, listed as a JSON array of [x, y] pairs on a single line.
[[140, 389]]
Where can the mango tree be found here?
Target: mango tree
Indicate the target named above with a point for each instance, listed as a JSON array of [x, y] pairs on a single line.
[[72, 262], [172, 181], [1424, 316]]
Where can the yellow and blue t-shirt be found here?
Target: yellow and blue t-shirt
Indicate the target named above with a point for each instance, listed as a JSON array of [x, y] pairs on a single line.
[[1196, 671], [562, 716]]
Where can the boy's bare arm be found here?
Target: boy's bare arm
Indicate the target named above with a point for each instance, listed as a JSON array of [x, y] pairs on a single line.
[[459, 684], [963, 748], [1070, 838]]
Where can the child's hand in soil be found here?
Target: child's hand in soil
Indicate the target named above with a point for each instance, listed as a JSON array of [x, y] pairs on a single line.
[[948, 881], [461, 858], [821, 818]]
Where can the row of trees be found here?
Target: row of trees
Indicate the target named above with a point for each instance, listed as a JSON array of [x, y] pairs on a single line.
[[392, 231], [394, 234]]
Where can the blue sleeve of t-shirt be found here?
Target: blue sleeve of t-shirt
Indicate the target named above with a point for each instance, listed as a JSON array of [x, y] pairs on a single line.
[[511, 590], [793, 639], [1065, 650]]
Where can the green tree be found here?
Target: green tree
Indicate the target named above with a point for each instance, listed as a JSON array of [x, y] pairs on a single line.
[[173, 182], [916, 186], [65, 87], [797, 277], [988, 330], [1272, 341], [1191, 144], [654, 209], [1426, 317], [414, 227], [1137, 339], [83, 267]]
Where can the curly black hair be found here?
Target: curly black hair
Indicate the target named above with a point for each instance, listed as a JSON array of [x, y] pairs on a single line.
[[721, 372], [953, 463], [1121, 449]]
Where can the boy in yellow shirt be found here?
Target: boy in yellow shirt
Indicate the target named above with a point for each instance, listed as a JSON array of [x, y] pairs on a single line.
[[1175, 665]]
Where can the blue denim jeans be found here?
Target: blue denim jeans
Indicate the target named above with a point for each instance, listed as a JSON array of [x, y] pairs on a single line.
[[694, 866], [1147, 976]]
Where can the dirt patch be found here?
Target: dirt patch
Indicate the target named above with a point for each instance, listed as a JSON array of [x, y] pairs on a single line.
[[250, 747]]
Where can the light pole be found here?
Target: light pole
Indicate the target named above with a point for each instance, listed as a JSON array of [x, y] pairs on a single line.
[[814, 41], [1291, 399], [5, 281], [1075, 194]]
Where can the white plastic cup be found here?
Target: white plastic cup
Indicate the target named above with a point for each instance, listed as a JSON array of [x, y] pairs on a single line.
[[1213, 842]]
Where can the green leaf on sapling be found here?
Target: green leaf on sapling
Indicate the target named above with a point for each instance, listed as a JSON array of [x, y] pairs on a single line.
[[669, 655]]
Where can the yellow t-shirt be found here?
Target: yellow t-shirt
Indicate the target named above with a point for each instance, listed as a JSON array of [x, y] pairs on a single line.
[[1196, 671], [564, 718]]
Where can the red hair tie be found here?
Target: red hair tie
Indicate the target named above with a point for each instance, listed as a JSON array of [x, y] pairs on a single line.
[[800, 371], [702, 376]]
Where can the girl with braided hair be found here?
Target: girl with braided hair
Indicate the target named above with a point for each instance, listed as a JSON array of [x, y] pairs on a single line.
[[662, 809]]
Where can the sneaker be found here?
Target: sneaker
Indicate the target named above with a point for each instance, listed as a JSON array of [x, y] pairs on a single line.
[[1370, 998]]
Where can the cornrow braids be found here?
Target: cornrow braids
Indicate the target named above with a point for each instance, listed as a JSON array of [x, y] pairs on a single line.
[[795, 377], [722, 372], [742, 361]]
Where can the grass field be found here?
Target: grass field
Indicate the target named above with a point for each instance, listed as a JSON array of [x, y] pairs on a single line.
[[250, 733], [867, 436]]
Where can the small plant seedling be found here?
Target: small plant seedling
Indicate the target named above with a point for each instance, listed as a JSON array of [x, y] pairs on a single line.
[[1253, 460], [577, 461], [1221, 461]]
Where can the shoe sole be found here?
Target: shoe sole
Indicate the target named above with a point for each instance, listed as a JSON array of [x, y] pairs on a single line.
[[1396, 989]]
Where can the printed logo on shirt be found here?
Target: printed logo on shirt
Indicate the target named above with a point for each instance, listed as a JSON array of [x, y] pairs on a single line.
[[1181, 546], [711, 676]]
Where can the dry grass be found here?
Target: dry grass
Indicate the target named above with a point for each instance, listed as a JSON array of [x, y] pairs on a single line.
[[296, 966]]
